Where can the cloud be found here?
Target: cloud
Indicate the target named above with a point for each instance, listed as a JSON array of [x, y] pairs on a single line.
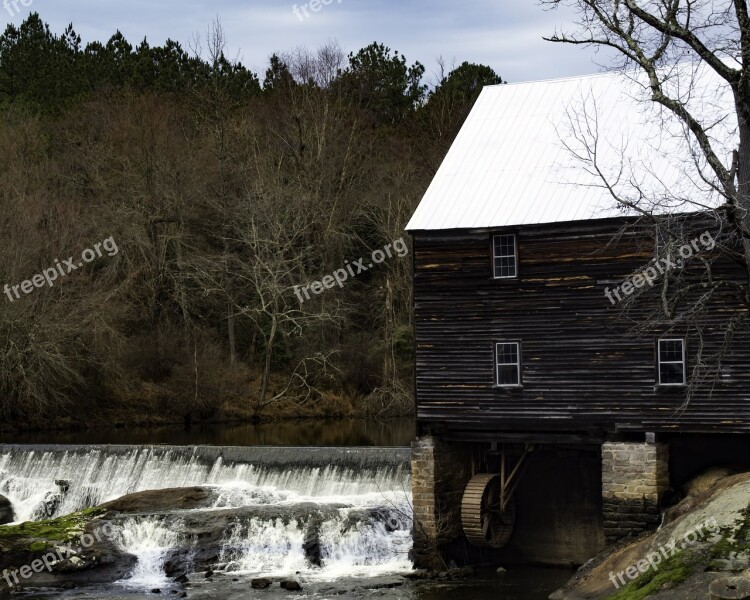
[[505, 34]]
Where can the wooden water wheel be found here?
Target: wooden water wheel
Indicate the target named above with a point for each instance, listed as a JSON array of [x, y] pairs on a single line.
[[488, 512], [485, 522]]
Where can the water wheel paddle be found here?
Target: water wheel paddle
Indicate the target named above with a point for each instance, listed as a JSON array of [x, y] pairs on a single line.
[[484, 522]]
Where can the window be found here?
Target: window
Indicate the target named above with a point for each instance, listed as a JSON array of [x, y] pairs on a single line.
[[671, 362], [508, 363], [504, 257]]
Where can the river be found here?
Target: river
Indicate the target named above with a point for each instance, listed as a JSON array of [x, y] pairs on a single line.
[[344, 484]]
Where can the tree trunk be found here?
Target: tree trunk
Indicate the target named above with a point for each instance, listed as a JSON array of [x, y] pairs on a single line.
[[389, 362], [230, 333], [267, 369], [743, 189]]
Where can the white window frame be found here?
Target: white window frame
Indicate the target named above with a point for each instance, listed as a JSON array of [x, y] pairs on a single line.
[[517, 344], [660, 362], [495, 256]]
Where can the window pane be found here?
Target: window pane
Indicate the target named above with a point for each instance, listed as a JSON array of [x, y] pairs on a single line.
[[505, 245], [505, 255], [670, 350], [671, 373], [507, 375], [505, 266], [508, 362], [507, 354]]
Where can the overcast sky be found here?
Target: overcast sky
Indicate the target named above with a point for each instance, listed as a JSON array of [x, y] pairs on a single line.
[[505, 34]]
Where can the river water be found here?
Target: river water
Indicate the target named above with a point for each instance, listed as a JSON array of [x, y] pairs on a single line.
[[353, 499], [341, 432]]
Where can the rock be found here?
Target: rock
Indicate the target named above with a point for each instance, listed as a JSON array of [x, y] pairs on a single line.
[[260, 584], [48, 506], [730, 588], [209, 574], [181, 579], [6, 511], [706, 480], [156, 591], [291, 586], [713, 513], [417, 575], [168, 500], [733, 563], [462, 573], [311, 545], [502, 570], [392, 524]]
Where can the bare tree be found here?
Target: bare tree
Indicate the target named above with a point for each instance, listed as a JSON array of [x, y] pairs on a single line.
[[653, 35], [670, 48]]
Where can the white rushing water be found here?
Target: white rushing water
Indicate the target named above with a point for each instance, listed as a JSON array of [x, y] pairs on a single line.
[[27, 479], [348, 547], [149, 540], [265, 548], [370, 536]]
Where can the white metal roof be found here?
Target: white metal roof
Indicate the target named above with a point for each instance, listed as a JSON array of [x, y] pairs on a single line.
[[521, 157]]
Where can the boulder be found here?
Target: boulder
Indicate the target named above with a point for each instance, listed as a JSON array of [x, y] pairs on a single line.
[[6, 511], [260, 584], [713, 513], [291, 586], [167, 500]]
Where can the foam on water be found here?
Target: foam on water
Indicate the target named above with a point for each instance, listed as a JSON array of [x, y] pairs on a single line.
[[149, 540], [27, 479], [371, 536]]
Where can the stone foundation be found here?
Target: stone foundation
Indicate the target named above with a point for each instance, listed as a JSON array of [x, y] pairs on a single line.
[[439, 474], [634, 478]]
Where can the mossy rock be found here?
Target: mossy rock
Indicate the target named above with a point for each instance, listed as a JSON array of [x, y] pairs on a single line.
[[670, 574], [64, 529]]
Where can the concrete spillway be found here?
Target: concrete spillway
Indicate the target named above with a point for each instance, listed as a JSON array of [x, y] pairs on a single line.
[[367, 528]]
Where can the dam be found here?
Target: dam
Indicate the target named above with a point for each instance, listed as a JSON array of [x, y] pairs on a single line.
[[357, 501]]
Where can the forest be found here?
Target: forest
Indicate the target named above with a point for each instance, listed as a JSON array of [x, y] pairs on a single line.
[[223, 191]]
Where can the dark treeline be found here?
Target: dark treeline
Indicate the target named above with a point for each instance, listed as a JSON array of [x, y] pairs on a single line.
[[223, 190]]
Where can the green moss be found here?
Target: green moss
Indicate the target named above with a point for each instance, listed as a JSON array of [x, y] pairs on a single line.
[[62, 529], [38, 546], [734, 540], [671, 573]]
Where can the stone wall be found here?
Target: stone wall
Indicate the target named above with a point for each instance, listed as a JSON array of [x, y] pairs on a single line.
[[440, 472], [634, 478]]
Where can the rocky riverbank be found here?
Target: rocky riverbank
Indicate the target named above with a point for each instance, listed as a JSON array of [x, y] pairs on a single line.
[[96, 546], [703, 541]]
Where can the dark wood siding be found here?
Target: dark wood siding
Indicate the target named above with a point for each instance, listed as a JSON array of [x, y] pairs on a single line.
[[582, 371]]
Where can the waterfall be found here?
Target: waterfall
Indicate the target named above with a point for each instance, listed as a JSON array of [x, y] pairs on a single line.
[[149, 540], [265, 548], [322, 514], [97, 475], [350, 544]]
